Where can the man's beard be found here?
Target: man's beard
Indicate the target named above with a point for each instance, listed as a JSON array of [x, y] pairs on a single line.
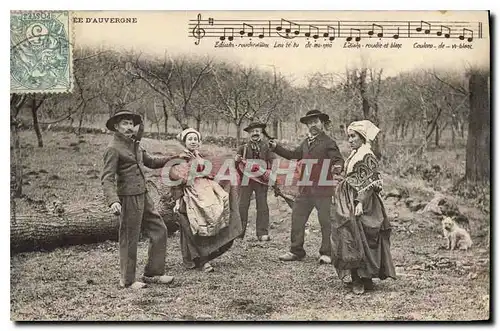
[[314, 130], [255, 137]]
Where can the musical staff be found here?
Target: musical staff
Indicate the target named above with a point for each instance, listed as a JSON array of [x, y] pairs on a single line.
[[396, 35], [262, 34], [289, 29], [379, 34], [245, 28], [462, 36], [198, 32], [426, 31], [330, 33], [316, 35], [440, 32], [230, 37], [330, 30], [358, 38]]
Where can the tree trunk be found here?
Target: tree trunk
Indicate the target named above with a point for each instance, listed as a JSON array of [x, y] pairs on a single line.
[[165, 115], [16, 166], [376, 144], [36, 233], [31, 234], [478, 160], [17, 101], [80, 121], [198, 123], [238, 134], [276, 129], [453, 125], [36, 126], [376, 147], [183, 121], [436, 136]]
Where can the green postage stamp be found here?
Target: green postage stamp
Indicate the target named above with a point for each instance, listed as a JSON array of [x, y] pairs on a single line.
[[41, 49]]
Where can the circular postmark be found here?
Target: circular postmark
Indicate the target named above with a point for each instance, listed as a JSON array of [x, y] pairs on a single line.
[[40, 49]]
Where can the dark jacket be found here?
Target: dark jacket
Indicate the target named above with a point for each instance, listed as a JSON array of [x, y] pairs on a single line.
[[264, 152], [123, 172], [324, 149]]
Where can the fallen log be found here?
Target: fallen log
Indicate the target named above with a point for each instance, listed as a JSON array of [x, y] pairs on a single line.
[[48, 231], [92, 223], [34, 233]]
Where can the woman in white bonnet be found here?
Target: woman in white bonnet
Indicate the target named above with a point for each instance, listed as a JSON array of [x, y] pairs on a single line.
[[208, 216], [360, 228]]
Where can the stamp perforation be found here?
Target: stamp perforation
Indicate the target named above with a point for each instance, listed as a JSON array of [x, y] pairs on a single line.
[[40, 55]]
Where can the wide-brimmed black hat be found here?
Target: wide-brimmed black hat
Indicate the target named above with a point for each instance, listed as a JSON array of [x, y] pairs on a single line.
[[314, 113], [119, 115], [255, 125]]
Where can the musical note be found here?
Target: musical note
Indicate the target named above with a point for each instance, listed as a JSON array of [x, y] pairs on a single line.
[[200, 28], [462, 36], [231, 37], [426, 31], [315, 36], [198, 32], [242, 32], [396, 36], [380, 34], [446, 35], [358, 38], [327, 33], [262, 34], [289, 29]]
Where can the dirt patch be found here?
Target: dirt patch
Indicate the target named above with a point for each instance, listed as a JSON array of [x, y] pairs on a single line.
[[249, 282]]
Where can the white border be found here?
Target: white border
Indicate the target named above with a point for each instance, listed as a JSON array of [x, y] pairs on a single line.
[[193, 5]]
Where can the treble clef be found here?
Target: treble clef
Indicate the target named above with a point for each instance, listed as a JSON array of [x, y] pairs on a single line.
[[198, 32]]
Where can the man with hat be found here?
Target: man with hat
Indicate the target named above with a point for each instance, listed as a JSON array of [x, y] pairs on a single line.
[[255, 149], [124, 187], [316, 192]]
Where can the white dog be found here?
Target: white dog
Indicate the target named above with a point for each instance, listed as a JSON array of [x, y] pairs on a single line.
[[455, 235]]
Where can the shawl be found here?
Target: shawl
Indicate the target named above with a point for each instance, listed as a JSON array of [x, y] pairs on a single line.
[[361, 170]]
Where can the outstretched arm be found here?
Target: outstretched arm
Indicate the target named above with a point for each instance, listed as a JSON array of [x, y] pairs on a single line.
[[155, 162], [295, 154]]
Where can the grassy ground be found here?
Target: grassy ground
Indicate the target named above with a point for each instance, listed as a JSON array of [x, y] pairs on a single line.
[[81, 282]]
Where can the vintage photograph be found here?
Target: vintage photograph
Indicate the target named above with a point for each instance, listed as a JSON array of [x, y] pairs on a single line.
[[250, 166]]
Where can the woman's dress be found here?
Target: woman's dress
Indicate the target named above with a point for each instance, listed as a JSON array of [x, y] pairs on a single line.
[[361, 242]]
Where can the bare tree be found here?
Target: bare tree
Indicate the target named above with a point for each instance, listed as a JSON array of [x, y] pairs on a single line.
[[175, 80], [363, 87], [231, 85], [17, 101], [83, 102], [118, 89], [478, 160], [245, 94], [36, 102]]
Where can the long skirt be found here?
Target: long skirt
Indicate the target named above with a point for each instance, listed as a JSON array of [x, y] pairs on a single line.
[[197, 250], [361, 242]]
